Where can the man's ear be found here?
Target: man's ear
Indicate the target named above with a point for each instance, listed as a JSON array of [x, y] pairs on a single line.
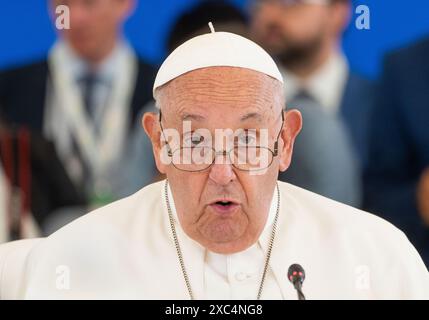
[[152, 129], [292, 126]]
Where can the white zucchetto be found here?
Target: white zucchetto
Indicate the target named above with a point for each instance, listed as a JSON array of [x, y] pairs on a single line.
[[216, 49]]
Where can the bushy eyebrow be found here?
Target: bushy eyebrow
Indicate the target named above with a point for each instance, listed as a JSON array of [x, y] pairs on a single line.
[[249, 116], [189, 116], [252, 115]]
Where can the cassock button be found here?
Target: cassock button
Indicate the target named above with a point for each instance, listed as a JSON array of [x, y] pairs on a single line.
[[241, 276]]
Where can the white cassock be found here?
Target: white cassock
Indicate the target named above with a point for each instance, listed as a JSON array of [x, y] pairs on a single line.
[[126, 250]]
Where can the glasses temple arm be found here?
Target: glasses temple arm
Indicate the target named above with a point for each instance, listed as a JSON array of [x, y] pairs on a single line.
[[276, 144], [170, 154]]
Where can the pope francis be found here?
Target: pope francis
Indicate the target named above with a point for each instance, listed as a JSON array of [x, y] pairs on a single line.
[[220, 226]]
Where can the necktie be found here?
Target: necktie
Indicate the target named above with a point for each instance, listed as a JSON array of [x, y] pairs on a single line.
[[88, 82], [91, 84]]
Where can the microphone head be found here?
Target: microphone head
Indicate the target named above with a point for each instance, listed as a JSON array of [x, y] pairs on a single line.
[[296, 274]]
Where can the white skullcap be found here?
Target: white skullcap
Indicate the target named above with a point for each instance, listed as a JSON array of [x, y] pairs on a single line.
[[216, 49]]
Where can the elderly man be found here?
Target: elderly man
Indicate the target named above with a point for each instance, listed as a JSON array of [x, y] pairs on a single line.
[[220, 226]]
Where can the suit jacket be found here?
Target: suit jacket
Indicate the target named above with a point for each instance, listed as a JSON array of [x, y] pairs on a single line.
[[323, 159], [126, 250], [399, 149], [356, 106], [23, 93], [331, 150]]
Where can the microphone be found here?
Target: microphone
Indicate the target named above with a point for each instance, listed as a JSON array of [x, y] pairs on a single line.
[[296, 276]]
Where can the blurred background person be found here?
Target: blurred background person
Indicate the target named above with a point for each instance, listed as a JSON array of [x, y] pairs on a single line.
[[85, 96], [194, 21], [304, 36], [324, 161], [397, 175]]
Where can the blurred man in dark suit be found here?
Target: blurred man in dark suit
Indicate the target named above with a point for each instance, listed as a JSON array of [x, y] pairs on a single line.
[[86, 95], [397, 175], [317, 167], [304, 36]]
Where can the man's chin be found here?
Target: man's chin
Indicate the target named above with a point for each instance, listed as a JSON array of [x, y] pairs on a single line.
[[223, 237], [86, 49]]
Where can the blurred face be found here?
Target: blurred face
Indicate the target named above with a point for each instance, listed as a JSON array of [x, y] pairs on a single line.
[[222, 208], [294, 29], [94, 25]]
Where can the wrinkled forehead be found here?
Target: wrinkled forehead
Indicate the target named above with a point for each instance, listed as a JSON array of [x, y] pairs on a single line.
[[216, 91]]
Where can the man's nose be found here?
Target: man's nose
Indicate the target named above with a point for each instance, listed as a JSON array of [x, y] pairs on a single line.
[[222, 171]]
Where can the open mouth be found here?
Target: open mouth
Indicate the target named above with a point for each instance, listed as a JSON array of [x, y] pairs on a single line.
[[224, 206], [223, 203]]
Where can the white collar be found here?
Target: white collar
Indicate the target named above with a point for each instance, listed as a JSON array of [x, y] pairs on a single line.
[[326, 85]]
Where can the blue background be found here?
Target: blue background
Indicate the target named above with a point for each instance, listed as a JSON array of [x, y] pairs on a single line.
[[26, 32]]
